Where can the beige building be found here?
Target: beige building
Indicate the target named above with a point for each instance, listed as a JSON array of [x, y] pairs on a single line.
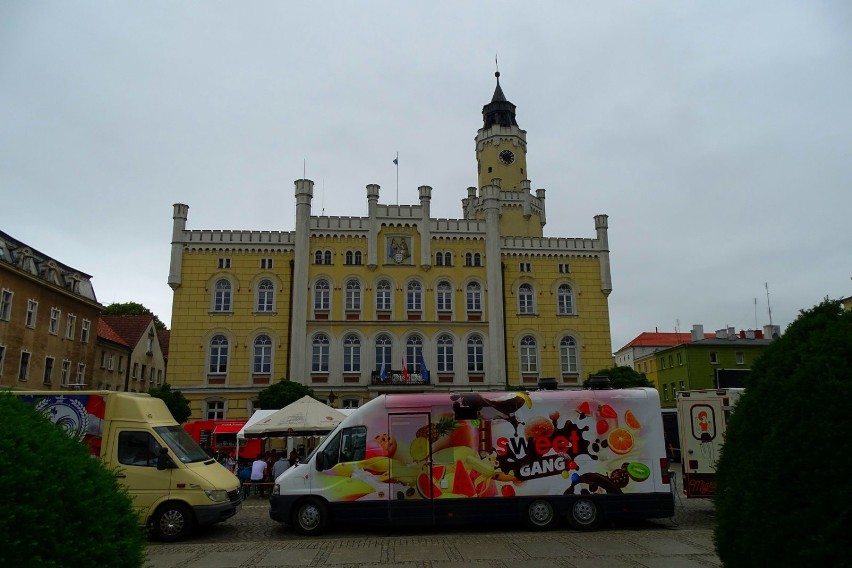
[[146, 366], [396, 300], [113, 354], [48, 321]]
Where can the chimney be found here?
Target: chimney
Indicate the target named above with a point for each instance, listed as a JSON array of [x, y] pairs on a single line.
[[772, 331], [749, 334], [697, 332], [732, 333]]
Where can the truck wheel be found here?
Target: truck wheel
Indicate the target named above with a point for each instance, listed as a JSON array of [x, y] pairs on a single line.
[[311, 517], [584, 515], [173, 522], [540, 515]]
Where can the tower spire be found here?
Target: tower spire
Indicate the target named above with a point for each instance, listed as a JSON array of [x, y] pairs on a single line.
[[499, 111]]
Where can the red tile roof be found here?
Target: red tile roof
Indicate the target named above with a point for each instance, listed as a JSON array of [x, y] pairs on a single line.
[[129, 328], [656, 339], [108, 333], [164, 336]]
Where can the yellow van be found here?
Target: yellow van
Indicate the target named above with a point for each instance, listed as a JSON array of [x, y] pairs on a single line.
[[174, 484]]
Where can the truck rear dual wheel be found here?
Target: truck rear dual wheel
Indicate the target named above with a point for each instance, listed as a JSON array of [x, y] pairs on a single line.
[[585, 515], [540, 515], [311, 517], [173, 522]]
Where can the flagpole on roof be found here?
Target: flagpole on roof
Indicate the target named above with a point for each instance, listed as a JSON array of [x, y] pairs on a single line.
[[396, 161]]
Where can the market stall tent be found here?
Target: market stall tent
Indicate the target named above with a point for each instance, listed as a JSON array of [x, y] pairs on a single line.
[[253, 419], [305, 416]]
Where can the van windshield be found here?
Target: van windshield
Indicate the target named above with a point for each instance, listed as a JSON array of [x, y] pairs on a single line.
[[182, 444]]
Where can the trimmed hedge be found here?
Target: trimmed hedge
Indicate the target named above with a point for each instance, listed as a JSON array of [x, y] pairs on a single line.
[[784, 491], [62, 507]]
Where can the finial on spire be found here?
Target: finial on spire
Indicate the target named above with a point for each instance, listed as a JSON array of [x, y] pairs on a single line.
[[497, 68]]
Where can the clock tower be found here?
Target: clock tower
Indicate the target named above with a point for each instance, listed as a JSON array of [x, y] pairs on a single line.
[[501, 158]]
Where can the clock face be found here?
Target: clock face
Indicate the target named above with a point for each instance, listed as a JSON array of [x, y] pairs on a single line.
[[507, 157]]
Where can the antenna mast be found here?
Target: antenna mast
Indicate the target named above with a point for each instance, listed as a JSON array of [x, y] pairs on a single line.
[[768, 305]]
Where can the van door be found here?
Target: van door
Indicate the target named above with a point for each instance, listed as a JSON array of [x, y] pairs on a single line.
[[410, 489], [702, 432], [137, 452]]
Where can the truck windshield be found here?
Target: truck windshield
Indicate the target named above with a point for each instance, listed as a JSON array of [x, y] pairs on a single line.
[[182, 444]]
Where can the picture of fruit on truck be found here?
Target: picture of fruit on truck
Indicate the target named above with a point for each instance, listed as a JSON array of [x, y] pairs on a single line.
[[535, 457]]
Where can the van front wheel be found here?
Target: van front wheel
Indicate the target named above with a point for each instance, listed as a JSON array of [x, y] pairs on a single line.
[[173, 522], [311, 517]]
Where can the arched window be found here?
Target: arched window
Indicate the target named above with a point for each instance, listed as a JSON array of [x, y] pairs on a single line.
[[351, 354], [262, 360], [477, 259], [349, 257], [353, 296], [568, 356], [448, 259], [218, 355], [525, 299], [319, 356], [439, 259], [414, 299], [358, 257], [383, 353], [322, 295], [445, 296], [565, 300], [318, 257], [327, 257], [413, 351], [445, 353], [475, 354], [383, 296], [222, 297], [529, 355], [474, 297], [265, 296], [468, 259]]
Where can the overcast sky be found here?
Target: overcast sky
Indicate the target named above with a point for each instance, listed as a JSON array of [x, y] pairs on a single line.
[[717, 135]]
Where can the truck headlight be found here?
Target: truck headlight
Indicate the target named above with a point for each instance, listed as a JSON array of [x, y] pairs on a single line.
[[217, 495]]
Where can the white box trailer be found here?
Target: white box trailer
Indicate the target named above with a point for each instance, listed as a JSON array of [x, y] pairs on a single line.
[[703, 418], [471, 457]]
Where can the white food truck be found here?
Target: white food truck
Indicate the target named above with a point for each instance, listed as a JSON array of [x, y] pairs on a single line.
[[467, 457]]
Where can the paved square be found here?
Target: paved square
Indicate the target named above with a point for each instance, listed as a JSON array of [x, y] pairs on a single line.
[[288, 558], [167, 560], [355, 555], [486, 552], [226, 559], [410, 553]]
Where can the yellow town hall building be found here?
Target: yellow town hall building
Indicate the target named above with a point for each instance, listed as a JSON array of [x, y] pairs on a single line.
[[394, 301]]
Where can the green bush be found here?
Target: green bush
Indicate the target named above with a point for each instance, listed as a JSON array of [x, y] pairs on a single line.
[[784, 496], [62, 506]]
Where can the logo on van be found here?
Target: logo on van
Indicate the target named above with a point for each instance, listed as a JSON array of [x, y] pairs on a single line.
[[68, 413]]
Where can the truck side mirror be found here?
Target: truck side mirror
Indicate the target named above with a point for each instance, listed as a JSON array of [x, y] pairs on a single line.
[[164, 461], [320, 460]]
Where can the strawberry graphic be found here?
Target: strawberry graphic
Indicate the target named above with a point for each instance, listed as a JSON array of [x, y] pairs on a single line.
[[602, 427], [585, 408], [606, 411]]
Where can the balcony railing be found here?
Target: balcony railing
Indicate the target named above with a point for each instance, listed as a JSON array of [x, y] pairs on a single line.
[[397, 378]]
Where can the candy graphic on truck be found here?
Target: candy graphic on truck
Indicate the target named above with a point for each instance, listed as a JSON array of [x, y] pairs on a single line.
[[466, 457]]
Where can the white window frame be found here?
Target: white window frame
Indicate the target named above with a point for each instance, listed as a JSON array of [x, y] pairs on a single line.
[[384, 296], [526, 299], [24, 364], [322, 295], [444, 350], [47, 377], [320, 353], [53, 326], [261, 361], [214, 409], [32, 313], [353, 295], [222, 295], [384, 353], [565, 300], [6, 298], [218, 350], [529, 355], [65, 372], [352, 353], [474, 297], [413, 352], [265, 298], [80, 377], [70, 324], [85, 329], [414, 297], [475, 354], [569, 355]]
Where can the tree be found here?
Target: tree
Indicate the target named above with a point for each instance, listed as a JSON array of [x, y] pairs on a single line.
[[66, 508], [132, 309], [783, 491], [281, 394], [623, 377], [177, 403]]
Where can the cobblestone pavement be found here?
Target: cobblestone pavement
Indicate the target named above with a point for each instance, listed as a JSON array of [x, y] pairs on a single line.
[[252, 539]]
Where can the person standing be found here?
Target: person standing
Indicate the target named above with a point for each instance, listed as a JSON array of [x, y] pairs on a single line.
[[258, 471]]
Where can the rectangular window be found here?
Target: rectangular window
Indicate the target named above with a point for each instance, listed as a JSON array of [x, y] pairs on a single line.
[[24, 369], [662, 362], [151, 375], [144, 372], [32, 311], [740, 358], [48, 370], [103, 359], [665, 392], [121, 363], [525, 267], [266, 263], [84, 331], [81, 374], [680, 359], [159, 376], [714, 358], [6, 304], [70, 323], [224, 263], [65, 374], [2, 357], [682, 385], [109, 362], [135, 373], [564, 268], [216, 410], [53, 327]]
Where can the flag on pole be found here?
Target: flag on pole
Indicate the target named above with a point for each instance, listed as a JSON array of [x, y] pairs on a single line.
[[424, 372], [382, 373], [396, 161], [404, 370]]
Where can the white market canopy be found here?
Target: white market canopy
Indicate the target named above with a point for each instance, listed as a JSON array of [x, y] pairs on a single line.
[[305, 416]]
